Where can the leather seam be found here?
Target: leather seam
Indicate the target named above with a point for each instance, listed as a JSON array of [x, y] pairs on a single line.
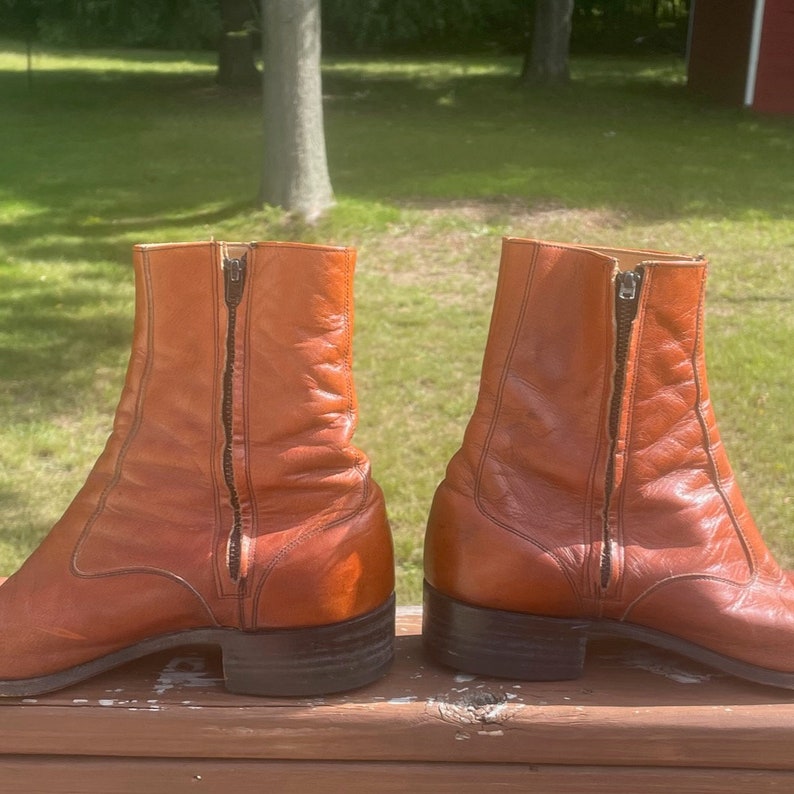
[[247, 550], [114, 480], [708, 446], [530, 279], [684, 577]]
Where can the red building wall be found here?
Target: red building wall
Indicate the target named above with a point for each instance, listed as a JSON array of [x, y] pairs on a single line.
[[774, 85], [719, 48]]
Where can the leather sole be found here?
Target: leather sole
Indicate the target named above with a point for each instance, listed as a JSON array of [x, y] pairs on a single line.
[[515, 645], [281, 662]]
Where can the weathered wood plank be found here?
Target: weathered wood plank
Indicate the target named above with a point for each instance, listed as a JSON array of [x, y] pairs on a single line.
[[35, 775], [635, 707]]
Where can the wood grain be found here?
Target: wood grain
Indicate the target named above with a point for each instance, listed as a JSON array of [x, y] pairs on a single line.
[[637, 715]]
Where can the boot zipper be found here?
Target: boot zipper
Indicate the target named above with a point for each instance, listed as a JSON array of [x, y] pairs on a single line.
[[233, 284], [627, 293]]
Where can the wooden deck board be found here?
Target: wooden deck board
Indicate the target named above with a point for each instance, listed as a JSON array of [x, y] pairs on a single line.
[[124, 776], [638, 714]]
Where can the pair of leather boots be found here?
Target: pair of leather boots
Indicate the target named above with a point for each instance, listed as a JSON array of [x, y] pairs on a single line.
[[591, 494]]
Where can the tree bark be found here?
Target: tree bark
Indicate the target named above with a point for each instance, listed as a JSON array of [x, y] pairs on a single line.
[[295, 174], [236, 65], [547, 59]]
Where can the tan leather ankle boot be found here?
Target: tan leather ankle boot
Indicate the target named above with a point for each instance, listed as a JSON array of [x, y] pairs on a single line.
[[592, 495], [229, 506]]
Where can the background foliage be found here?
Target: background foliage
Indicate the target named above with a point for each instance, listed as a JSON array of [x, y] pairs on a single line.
[[354, 26]]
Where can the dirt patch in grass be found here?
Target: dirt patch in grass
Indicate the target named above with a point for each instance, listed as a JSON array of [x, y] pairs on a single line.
[[451, 249], [500, 211]]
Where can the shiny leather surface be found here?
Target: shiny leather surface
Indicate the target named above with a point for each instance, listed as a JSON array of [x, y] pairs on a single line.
[[142, 550], [518, 522]]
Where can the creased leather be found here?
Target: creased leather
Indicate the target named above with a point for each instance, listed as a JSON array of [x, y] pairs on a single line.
[[141, 551], [518, 521]]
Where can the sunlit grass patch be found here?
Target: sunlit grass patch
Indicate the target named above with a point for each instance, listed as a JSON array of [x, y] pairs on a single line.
[[14, 58]]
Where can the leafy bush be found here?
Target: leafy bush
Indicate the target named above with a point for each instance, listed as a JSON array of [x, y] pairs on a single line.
[[355, 26]]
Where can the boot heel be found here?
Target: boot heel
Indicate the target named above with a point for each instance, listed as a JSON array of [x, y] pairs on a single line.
[[313, 661], [502, 644]]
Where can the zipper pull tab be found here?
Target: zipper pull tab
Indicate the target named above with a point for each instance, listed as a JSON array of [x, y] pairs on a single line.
[[628, 284], [234, 279]]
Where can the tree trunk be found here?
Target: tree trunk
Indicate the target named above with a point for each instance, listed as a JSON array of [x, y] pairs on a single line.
[[547, 59], [295, 174], [236, 65]]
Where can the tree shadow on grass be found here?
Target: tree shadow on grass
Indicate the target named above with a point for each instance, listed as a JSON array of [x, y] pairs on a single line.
[[63, 350], [108, 238], [623, 135], [88, 165], [56, 342], [95, 160]]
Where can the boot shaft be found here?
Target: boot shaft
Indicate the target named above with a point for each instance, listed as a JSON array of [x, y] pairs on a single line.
[[229, 506], [592, 496], [234, 432], [593, 446]]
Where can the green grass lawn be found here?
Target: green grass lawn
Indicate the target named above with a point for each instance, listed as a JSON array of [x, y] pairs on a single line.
[[432, 162]]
